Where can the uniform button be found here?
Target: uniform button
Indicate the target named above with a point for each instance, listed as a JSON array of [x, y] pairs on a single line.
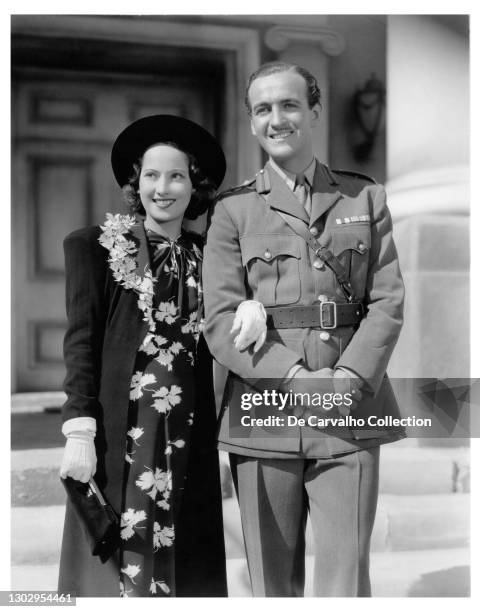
[[362, 247], [314, 231], [322, 298], [325, 336], [318, 264], [267, 254]]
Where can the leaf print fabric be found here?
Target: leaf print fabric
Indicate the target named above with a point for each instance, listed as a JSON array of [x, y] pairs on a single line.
[[176, 347], [189, 327], [167, 312], [161, 413], [176, 444], [135, 433], [165, 359], [162, 536], [161, 585], [131, 571], [166, 398], [191, 282], [129, 521], [152, 483], [139, 381]]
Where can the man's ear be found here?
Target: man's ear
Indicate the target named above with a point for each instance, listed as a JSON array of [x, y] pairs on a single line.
[[316, 111], [252, 128]]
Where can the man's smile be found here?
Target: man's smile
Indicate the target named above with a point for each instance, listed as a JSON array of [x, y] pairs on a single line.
[[281, 134]]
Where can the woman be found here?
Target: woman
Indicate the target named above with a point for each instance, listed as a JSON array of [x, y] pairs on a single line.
[[140, 408]]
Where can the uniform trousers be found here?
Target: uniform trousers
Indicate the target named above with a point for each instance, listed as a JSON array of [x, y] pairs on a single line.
[[275, 495]]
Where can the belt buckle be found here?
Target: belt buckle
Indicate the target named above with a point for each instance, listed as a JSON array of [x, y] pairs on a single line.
[[334, 307]]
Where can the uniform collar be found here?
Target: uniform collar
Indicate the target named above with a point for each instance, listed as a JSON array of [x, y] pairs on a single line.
[[281, 197], [290, 177]]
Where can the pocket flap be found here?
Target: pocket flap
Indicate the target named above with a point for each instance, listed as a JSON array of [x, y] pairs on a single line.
[[346, 239], [267, 247]]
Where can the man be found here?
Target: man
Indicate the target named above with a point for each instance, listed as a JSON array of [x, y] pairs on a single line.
[[315, 247]]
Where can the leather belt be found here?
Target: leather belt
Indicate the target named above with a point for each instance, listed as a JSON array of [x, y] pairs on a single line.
[[326, 315]]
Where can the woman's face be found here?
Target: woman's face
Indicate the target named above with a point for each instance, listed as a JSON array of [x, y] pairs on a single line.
[[165, 187]]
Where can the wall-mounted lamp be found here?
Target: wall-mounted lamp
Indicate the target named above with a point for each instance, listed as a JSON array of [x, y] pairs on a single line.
[[369, 110]]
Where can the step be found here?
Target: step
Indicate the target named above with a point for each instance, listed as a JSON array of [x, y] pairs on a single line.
[[37, 401], [404, 470], [35, 479], [402, 523], [427, 573], [421, 522], [410, 470]]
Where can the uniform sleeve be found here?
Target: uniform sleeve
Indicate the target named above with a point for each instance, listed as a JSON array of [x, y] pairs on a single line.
[[225, 287], [370, 348], [85, 270]]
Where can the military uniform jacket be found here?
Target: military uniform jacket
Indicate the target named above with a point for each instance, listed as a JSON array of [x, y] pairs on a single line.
[[252, 253]]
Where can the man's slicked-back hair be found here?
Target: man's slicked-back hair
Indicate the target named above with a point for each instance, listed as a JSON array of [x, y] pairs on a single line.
[[313, 90]]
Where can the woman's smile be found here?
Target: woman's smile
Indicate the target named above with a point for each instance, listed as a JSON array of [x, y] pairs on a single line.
[[164, 202]]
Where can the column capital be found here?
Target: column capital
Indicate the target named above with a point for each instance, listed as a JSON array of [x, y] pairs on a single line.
[[278, 38]]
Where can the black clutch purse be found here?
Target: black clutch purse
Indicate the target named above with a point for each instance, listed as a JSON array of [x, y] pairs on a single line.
[[97, 517]]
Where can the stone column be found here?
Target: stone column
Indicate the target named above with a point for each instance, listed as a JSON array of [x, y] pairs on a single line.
[[428, 192]]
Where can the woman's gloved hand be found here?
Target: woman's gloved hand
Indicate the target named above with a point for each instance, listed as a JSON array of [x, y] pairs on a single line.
[[79, 457], [249, 325]]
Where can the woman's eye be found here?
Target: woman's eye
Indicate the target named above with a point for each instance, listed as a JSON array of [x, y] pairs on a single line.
[[178, 176]]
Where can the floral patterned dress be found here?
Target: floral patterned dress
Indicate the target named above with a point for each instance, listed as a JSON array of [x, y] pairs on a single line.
[[161, 412]]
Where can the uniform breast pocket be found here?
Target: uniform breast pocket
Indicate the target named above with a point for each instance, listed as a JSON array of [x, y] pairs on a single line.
[[272, 267], [352, 247]]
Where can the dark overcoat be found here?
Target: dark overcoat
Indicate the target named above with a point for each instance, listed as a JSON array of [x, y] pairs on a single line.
[[105, 330]]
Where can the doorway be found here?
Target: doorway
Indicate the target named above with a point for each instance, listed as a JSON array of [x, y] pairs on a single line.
[[77, 81], [64, 125]]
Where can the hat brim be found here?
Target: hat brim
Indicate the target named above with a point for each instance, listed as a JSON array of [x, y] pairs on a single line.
[[190, 137]]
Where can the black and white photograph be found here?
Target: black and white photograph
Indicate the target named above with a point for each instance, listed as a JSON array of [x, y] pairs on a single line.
[[242, 305]]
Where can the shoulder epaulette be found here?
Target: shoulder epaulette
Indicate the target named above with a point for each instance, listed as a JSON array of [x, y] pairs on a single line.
[[236, 189], [358, 175], [260, 182]]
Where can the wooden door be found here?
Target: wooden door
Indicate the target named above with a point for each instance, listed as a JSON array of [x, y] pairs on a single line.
[[63, 128]]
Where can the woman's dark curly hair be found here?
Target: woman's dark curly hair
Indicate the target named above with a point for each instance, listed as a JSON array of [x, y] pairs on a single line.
[[203, 188]]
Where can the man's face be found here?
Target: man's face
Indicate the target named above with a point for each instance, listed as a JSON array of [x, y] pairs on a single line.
[[282, 120]]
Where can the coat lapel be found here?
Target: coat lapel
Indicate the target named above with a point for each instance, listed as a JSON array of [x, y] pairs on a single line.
[[142, 257], [282, 198], [143, 261], [324, 195]]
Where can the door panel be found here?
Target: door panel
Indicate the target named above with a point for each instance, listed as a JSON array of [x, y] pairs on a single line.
[[63, 129], [52, 178]]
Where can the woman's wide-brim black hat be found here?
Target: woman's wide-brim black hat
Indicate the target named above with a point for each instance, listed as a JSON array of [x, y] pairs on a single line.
[[190, 137]]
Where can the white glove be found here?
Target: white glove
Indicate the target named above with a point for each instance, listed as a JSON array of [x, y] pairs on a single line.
[[79, 457], [251, 323]]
